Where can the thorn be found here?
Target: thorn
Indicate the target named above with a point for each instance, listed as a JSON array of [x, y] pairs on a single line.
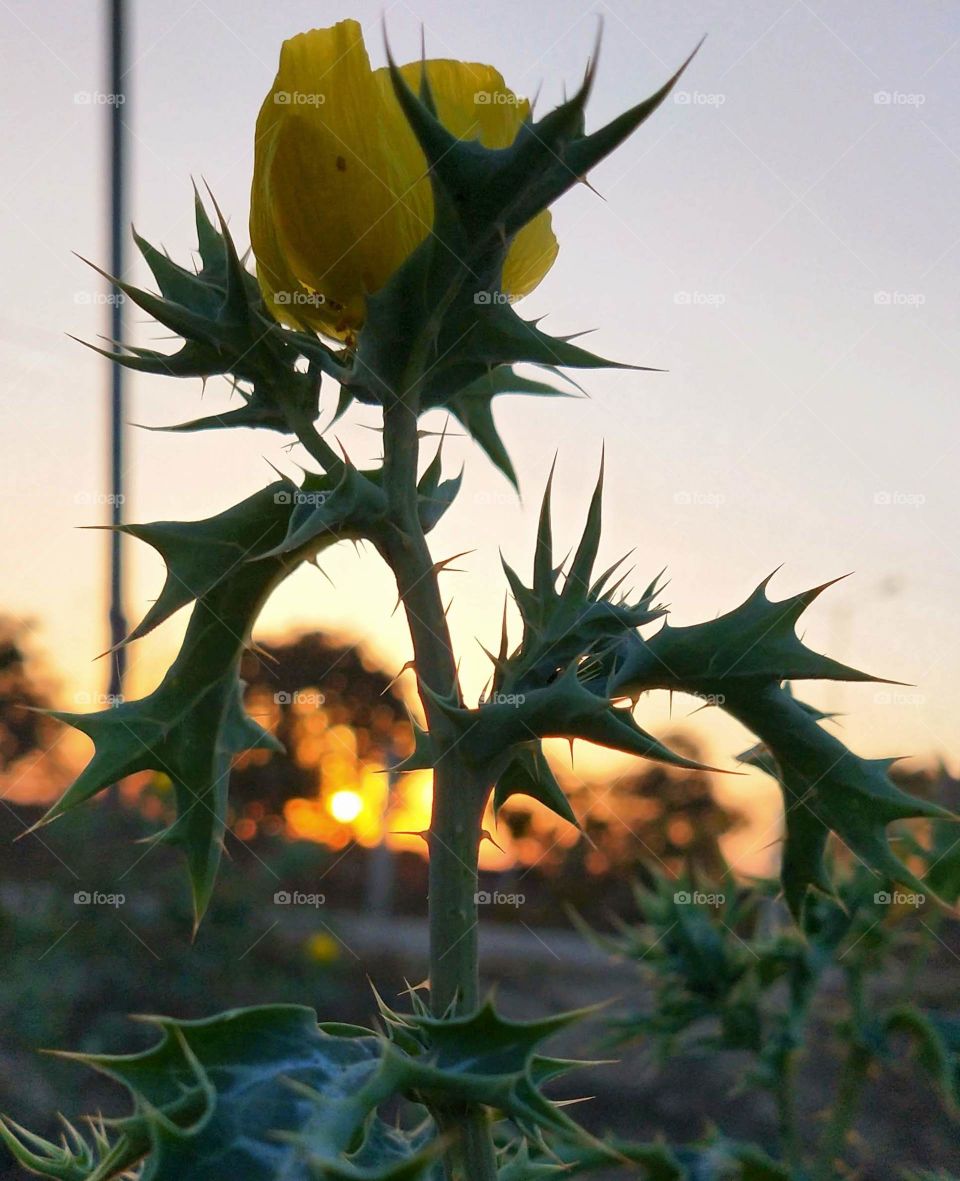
[[408, 667], [313, 562], [494, 660], [583, 180], [262, 653], [410, 989], [401, 832], [589, 839], [282, 475], [444, 564], [485, 836]]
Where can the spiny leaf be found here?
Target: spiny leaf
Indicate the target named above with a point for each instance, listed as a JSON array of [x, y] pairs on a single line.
[[528, 773], [435, 495], [485, 1058], [563, 709], [581, 568], [259, 1093], [581, 620], [75, 1158], [937, 1038], [331, 508], [502, 190], [252, 413], [442, 320], [201, 554], [826, 787], [424, 755], [472, 406], [755, 642], [516, 1165], [219, 313], [544, 575], [350, 504], [193, 725], [190, 727]]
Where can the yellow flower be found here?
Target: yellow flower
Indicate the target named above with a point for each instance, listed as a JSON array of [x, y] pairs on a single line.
[[340, 195], [322, 948]]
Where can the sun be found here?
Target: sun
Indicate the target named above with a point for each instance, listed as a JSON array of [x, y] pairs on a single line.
[[345, 806]]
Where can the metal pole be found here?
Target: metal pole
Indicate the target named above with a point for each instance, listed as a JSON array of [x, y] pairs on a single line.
[[117, 36]]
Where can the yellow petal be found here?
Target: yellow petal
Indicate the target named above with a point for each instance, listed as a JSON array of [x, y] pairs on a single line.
[[326, 212], [532, 253], [340, 195], [474, 102]]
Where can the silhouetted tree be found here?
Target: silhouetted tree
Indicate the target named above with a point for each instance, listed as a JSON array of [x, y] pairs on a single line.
[[306, 685]]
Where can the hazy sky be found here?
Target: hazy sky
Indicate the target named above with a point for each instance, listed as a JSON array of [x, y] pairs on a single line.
[[783, 238]]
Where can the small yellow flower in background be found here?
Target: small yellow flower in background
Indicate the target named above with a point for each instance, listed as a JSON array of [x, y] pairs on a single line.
[[340, 196], [322, 948]]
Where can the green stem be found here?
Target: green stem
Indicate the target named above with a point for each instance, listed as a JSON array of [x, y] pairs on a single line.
[[853, 1075], [787, 1110], [459, 795], [920, 956], [303, 425], [847, 1100], [458, 803]]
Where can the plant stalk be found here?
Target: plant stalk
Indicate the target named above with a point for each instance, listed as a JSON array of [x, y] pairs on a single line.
[[787, 1109], [459, 794], [852, 1077]]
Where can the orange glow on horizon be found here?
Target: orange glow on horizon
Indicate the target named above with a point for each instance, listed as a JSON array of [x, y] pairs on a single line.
[[367, 814]]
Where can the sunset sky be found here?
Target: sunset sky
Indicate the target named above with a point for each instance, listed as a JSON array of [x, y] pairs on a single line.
[[783, 238]]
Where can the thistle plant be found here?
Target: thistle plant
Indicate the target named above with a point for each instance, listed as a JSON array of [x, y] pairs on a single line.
[[395, 218], [729, 976]]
